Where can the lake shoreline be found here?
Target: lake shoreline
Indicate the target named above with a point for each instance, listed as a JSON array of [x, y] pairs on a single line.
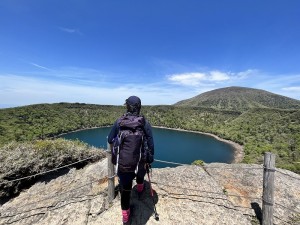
[[81, 129], [238, 149]]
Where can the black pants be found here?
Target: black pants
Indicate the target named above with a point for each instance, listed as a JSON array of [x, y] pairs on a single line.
[[126, 185]]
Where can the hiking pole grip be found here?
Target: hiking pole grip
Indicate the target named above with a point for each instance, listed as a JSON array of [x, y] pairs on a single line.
[[148, 168]]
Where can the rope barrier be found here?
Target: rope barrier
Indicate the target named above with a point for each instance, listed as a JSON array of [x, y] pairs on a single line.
[[279, 218], [156, 160], [287, 174], [112, 176], [287, 208], [61, 194], [209, 167], [54, 195], [181, 164], [162, 161], [48, 171], [95, 180], [232, 167]]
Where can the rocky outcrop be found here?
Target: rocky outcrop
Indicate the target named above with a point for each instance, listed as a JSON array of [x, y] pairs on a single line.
[[32, 159], [215, 194]]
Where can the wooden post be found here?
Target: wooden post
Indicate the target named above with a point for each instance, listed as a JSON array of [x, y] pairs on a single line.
[[110, 175], [268, 189]]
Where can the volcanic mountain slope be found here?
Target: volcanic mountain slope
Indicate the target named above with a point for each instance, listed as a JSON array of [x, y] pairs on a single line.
[[240, 99]]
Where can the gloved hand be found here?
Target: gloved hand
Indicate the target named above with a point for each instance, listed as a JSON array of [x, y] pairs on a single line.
[[149, 158]]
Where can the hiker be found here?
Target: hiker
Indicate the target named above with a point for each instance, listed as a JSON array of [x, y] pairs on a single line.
[[132, 146]]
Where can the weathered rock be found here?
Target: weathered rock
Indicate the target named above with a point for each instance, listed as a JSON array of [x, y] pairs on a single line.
[[217, 194]]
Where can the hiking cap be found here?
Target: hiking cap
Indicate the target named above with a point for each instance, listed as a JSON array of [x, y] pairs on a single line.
[[133, 100]]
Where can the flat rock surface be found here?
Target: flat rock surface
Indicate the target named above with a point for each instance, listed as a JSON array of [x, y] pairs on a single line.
[[215, 194]]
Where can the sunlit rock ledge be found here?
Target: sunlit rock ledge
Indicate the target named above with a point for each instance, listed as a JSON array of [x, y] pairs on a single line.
[[214, 194]]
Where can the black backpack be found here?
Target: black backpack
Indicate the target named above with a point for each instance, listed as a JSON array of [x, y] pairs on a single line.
[[129, 145]]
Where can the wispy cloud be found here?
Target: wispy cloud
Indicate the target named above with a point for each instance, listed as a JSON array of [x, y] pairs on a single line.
[[280, 80], [246, 74], [70, 30], [293, 92], [40, 67], [294, 89], [21, 90]]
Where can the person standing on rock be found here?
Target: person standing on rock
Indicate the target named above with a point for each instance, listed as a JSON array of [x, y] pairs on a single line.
[[132, 146]]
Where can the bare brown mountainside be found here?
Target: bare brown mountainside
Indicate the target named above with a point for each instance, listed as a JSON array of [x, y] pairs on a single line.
[[240, 99]]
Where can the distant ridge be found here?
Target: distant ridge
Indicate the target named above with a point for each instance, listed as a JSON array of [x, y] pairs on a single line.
[[240, 99]]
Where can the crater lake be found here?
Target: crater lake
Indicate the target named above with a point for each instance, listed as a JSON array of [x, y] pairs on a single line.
[[170, 145]]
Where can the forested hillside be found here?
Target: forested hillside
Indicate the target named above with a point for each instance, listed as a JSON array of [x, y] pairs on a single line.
[[48, 120], [241, 99], [259, 130]]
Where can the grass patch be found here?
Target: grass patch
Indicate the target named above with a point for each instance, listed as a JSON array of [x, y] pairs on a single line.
[[19, 160]]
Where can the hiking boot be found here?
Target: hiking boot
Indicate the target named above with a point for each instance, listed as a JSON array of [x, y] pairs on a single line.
[[126, 216]]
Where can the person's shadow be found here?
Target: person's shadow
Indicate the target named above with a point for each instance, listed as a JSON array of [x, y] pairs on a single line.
[[143, 206], [257, 210]]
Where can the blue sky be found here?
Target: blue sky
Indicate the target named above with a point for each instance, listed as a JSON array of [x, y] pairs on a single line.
[[164, 51]]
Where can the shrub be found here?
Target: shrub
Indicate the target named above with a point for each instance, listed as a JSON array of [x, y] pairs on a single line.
[[198, 163]]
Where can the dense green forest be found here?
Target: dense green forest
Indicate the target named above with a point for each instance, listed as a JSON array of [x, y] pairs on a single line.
[[257, 129]]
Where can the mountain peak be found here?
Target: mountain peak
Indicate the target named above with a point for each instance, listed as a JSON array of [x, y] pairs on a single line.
[[240, 99]]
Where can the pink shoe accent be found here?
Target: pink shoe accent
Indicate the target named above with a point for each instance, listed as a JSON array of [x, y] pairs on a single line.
[[140, 187], [125, 214]]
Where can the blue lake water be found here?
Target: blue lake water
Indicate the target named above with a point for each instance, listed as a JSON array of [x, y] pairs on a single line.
[[170, 145]]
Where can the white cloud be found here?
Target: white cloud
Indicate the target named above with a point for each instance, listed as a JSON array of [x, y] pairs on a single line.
[[210, 78], [188, 79], [199, 78], [92, 86], [293, 89], [292, 92], [218, 76], [19, 90]]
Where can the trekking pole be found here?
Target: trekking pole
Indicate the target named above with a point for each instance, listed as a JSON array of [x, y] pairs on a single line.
[[156, 216]]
